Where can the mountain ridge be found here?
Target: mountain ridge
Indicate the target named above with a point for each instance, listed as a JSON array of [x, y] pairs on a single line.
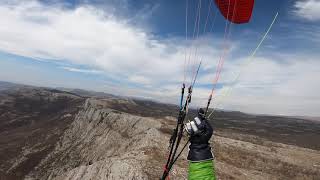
[[52, 134], [89, 93]]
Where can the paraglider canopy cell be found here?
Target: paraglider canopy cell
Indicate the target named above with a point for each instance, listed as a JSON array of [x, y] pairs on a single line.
[[236, 11]]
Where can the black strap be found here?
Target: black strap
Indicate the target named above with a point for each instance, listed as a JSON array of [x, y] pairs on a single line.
[[208, 104], [176, 138]]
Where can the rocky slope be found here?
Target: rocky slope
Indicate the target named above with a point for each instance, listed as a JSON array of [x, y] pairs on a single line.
[[104, 144], [107, 144], [31, 123], [57, 135]]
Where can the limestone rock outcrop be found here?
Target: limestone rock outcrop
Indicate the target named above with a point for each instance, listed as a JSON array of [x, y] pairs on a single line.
[[103, 143]]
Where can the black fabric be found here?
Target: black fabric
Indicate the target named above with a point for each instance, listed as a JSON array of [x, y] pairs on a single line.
[[201, 114], [199, 148]]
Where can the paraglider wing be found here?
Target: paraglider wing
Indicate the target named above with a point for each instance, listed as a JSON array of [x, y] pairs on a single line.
[[236, 11]]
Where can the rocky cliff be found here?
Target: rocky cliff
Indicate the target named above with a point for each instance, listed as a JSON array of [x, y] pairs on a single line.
[[58, 135], [102, 143], [31, 123]]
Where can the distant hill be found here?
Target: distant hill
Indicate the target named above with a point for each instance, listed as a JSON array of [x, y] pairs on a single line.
[[58, 133], [87, 93], [308, 117], [7, 85], [290, 130]]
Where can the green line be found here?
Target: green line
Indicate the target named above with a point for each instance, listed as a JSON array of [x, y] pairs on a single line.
[[249, 60]]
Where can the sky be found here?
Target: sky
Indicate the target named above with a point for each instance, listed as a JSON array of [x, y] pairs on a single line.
[[140, 48]]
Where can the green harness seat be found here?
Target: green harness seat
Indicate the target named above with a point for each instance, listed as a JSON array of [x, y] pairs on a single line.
[[203, 170]]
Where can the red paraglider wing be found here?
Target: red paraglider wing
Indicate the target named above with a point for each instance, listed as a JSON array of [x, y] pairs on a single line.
[[236, 11]]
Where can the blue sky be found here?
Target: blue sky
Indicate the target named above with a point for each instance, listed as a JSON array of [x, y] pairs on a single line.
[[137, 48]]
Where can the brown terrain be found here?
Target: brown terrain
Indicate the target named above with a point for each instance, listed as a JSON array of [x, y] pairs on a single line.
[[75, 134]]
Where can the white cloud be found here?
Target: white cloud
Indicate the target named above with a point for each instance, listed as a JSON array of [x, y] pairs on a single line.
[[140, 79], [279, 86], [86, 71], [308, 9], [87, 36], [129, 54]]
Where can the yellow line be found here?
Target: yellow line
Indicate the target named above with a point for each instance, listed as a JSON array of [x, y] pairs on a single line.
[[248, 61]]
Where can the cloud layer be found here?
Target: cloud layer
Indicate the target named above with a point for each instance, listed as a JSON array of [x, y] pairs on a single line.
[[146, 66], [308, 9]]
